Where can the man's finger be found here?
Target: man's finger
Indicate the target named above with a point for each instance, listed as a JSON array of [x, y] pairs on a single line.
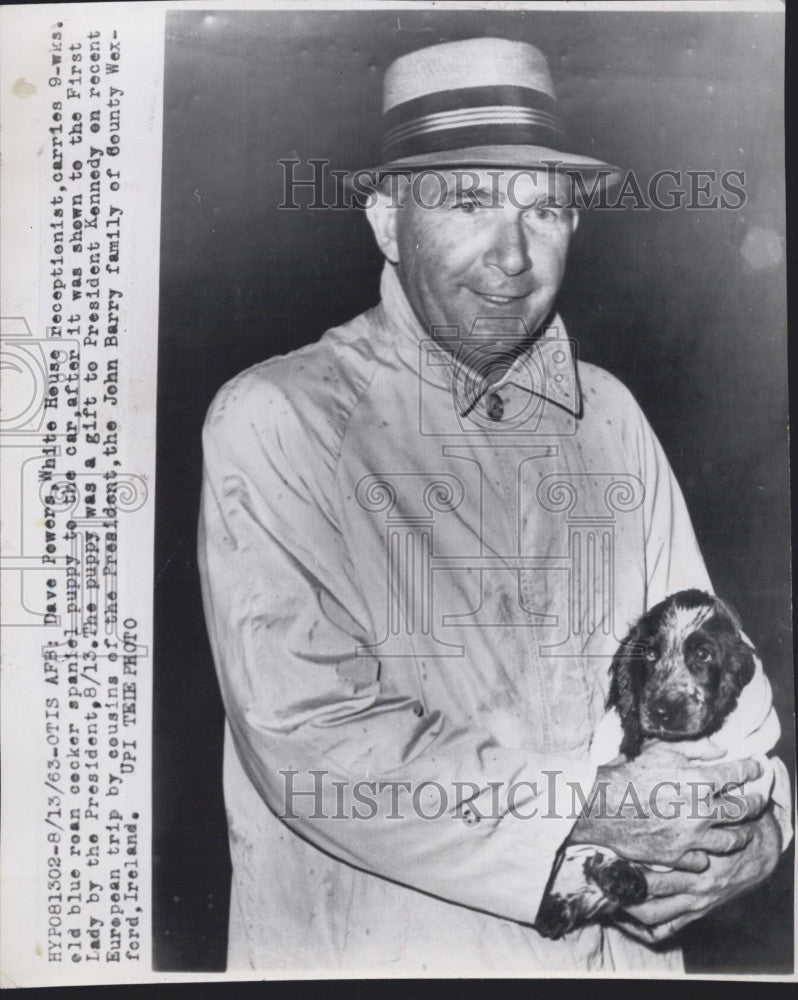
[[659, 932], [692, 861], [731, 772], [636, 930], [736, 808], [656, 911], [725, 773], [703, 749], [663, 931], [670, 883], [726, 840]]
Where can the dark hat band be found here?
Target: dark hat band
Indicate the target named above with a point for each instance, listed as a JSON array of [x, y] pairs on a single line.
[[472, 116]]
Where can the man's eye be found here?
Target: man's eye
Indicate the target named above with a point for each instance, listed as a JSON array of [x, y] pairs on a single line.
[[546, 214], [466, 203]]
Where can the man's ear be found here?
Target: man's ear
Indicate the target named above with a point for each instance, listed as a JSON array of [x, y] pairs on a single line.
[[574, 219], [383, 216]]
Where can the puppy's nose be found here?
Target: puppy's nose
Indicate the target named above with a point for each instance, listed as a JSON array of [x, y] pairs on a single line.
[[660, 712]]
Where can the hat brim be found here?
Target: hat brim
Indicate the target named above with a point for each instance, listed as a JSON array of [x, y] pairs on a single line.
[[530, 157]]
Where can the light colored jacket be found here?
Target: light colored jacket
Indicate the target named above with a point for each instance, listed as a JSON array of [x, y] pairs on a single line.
[[413, 593]]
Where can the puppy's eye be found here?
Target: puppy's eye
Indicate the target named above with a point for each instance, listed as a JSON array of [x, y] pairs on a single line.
[[703, 654], [651, 654]]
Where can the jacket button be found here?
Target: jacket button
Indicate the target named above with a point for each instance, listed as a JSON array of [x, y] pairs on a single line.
[[495, 406]]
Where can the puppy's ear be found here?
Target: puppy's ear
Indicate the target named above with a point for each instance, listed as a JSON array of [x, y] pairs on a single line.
[[737, 670], [738, 665], [725, 610], [624, 691]]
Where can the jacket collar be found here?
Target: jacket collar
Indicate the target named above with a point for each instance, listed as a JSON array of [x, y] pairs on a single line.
[[546, 368]]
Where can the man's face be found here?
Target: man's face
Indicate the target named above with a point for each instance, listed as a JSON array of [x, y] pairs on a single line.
[[493, 248]]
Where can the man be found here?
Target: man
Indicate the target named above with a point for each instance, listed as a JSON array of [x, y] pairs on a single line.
[[421, 540]]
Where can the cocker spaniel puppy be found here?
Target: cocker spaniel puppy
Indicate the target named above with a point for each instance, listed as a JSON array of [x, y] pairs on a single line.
[[679, 672], [676, 676]]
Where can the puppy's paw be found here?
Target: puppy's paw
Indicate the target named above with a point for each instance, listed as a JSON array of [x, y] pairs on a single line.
[[556, 916], [622, 882], [573, 898]]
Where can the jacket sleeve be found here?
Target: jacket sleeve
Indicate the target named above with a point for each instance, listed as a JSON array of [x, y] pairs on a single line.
[[480, 823]]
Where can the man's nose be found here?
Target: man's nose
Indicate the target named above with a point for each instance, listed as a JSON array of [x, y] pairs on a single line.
[[509, 249]]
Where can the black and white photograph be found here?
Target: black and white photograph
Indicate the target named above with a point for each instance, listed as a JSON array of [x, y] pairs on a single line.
[[396, 567]]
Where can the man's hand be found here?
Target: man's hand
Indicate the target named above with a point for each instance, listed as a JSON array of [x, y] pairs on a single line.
[[677, 898], [663, 808]]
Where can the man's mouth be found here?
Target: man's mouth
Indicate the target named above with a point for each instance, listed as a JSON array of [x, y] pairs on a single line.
[[501, 300]]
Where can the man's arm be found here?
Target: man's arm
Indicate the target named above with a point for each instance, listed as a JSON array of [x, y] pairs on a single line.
[[285, 617]]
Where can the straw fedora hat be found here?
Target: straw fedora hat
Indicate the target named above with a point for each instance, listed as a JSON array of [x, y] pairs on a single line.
[[482, 102]]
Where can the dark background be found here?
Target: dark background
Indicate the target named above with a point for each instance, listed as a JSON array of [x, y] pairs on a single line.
[[667, 301]]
